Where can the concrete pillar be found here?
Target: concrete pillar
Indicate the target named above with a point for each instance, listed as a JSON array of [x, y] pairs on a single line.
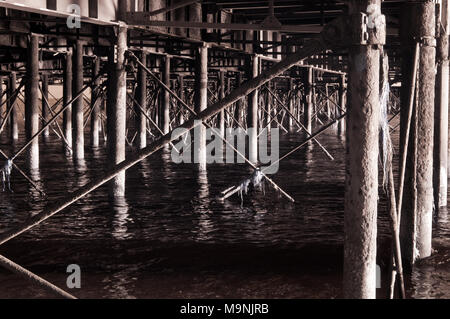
[[45, 111], [95, 104], [308, 98], [252, 112], [116, 112], [67, 97], [440, 174], [201, 103], [165, 97], [361, 189], [141, 98], [221, 97], [32, 102], [14, 115], [78, 111]]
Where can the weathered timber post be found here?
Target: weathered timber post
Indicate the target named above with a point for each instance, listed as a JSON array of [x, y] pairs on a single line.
[[308, 98], [96, 100], [32, 102], [201, 103], [1, 100], [45, 111], [441, 116], [361, 189], [221, 97], [291, 97], [165, 96], [342, 103], [425, 127], [67, 97], [141, 98], [14, 115], [252, 110], [269, 100], [181, 83], [78, 105], [116, 111]]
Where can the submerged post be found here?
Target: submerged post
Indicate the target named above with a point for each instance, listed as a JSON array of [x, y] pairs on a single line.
[[361, 191], [32, 102], [67, 97], [201, 103], [116, 111], [252, 115], [78, 111], [14, 115], [441, 116], [141, 98]]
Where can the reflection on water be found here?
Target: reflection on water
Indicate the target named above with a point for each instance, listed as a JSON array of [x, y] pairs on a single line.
[[170, 233]]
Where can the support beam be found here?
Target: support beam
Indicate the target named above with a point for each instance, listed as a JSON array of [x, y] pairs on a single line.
[[201, 103], [96, 100], [14, 115], [32, 102], [116, 111], [440, 174], [141, 92], [252, 110], [67, 97], [78, 107], [221, 97], [361, 189]]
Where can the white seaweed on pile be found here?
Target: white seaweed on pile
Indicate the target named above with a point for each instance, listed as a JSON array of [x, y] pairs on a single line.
[[6, 175], [256, 180]]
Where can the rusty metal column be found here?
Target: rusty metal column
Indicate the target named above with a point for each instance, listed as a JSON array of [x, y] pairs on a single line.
[[361, 189], [96, 100], [14, 115], [165, 96], [67, 97], [441, 117], [308, 98], [32, 102], [252, 110], [141, 92], [201, 103], [78, 105], [116, 111], [45, 111]]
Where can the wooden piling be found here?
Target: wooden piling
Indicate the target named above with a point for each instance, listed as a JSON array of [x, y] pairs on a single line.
[[32, 102], [222, 96], [14, 115], [252, 110], [116, 111], [165, 96], [45, 111], [141, 92], [308, 98], [440, 174], [96, 100], [361, 190], [67, 97], [201, 103], [78, 105]]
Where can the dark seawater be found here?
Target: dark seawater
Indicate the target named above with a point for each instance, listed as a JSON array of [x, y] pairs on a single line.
[[172, 238]]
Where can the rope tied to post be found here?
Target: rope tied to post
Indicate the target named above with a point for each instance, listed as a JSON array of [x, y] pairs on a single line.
[[6, 175]]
